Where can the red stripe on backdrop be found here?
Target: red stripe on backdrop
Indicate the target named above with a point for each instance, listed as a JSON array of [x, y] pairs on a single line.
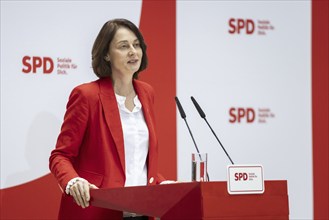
[[320, 108], [158, 25]]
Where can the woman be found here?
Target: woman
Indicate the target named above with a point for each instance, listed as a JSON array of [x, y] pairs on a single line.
[[108, 135]]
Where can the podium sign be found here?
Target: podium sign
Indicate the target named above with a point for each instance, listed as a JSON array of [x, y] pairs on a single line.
[[196, 201], [245, 179]]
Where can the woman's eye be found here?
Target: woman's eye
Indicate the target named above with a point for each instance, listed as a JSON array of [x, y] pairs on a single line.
[[137, 45], [124, 46]]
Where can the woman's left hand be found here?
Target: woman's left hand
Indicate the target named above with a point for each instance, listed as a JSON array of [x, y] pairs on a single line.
[[80, 192]]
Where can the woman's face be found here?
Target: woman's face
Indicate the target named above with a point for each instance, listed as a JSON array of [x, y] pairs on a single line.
[[125, 53]]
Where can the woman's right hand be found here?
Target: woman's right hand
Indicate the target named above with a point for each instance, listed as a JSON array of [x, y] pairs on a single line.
[[80, 192]]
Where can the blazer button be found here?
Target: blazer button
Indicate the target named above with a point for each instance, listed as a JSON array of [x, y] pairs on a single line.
[[151, 180]]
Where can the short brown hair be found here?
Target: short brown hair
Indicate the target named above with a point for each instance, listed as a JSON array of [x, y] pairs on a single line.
[[101, 67]]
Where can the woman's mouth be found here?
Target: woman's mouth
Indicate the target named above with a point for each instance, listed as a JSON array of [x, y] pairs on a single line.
[[133, 61]]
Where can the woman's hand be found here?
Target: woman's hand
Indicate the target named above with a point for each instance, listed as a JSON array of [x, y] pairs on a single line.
[[80, 192]]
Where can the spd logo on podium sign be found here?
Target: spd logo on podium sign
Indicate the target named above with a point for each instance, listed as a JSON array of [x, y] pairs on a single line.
[[245, 179]]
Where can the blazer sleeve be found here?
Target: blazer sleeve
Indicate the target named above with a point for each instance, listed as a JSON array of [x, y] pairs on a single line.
[[64, 156]]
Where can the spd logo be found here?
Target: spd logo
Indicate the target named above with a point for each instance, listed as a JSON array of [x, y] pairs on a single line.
[[238, 115], [37, 64], [240, 176], [250, 26], [242, 115], [239, 25], [47, 65]]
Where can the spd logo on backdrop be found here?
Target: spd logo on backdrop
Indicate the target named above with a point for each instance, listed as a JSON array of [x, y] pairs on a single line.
[[249, 26], [249, 115], [47, 65]]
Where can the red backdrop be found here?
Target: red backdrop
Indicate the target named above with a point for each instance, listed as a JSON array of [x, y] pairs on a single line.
[[320, 99]]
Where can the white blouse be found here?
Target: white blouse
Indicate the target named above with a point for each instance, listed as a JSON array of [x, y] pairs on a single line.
[[136, 141]]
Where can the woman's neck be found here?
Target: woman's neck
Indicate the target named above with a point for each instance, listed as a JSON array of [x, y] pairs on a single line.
[[124, 86]]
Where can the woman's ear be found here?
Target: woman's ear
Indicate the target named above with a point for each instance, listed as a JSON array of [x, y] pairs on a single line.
[[107, 58]]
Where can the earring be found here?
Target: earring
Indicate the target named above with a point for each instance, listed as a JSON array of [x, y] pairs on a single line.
[[107, 58]]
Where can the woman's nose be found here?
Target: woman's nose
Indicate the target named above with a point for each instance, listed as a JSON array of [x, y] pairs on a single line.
[[132, 51]]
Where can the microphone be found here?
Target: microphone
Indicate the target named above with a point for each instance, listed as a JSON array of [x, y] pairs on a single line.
[[203, 115], [183, 115]]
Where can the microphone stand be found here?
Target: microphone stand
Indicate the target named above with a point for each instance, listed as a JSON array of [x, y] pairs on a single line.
[[183, 115]]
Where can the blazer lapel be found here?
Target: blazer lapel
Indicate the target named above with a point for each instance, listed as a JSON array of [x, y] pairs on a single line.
[[147, 111], [112, 116]]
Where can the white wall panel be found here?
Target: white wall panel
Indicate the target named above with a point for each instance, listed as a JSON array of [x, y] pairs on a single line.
[[33, 104], [257, 71]]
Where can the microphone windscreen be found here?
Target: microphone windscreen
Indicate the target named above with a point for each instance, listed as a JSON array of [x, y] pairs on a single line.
[[202, 114], [180, 108]]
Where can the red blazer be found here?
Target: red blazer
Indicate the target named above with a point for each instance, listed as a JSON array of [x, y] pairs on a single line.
[[90, 144]]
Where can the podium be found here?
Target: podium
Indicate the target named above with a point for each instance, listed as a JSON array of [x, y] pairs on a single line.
[[196, 201]]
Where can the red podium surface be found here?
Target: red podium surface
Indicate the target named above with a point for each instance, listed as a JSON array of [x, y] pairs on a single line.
[[196, 200]]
